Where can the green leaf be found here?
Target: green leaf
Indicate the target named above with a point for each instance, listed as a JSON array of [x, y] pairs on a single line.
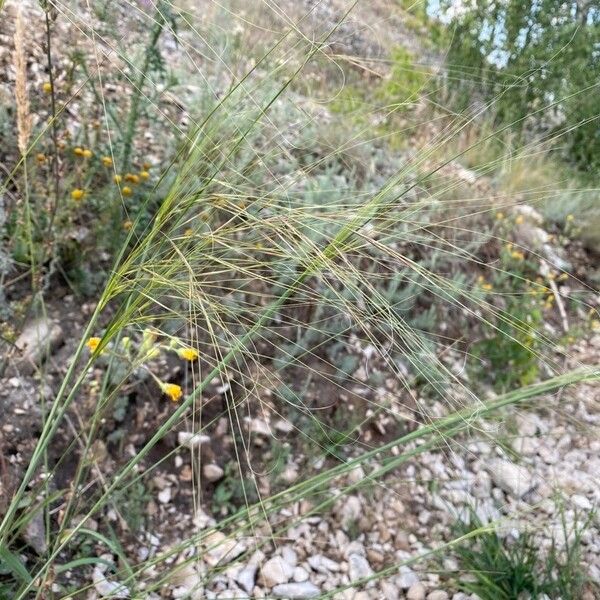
[[12, 561]]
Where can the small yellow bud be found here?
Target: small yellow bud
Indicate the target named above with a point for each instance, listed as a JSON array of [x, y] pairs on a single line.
[[107, 161], [172, 390], [144, 175], [127, 191], [47, 87], [117, 179], [78, 151], [77, 194], [93, 343], [87, 153], [188, 354]]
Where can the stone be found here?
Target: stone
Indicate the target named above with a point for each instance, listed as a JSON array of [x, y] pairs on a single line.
[[322, 564], [164, 496], [37, 340], [513, 479], [300, 575], [276, 571], [581, 502], [247, 577], [389, 590], [437, 595], [35, 533], [358, 567], [416, 592], [295, 591], [351, 510], [212, 472], [192, 440], [407, 578]]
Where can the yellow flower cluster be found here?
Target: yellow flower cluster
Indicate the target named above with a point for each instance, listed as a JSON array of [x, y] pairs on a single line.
[[172, 390], [83, 152], [188, 354], [93, 343]]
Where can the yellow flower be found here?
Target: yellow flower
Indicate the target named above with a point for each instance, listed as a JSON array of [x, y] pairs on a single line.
[[132, 178], [77, 194], [570, 217], [520, 220], [144, 175], [47, 87], [107, 161], [517, 255], [41, 158], [487, 287], [188, 354], [172, 390], [147, 166], [78, 151], [188, 232], [87, 153], [127, 191], [499, 216], [127, 225], [93, 343], [117, 179]]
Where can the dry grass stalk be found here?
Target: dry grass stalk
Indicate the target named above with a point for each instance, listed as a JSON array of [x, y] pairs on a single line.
[[21, 96]]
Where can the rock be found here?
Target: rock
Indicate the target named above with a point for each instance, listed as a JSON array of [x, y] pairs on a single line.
[[212, 472], [407, 578], [247, 577], [164, 496], [192, 440], [350, 511], [36, 342], [437, 595], [104, 587], [389, 590], [300, 575], [296, 590], [416, 592], [322, 564], [276, 571], [221, 549], [358, 567], [513, 479], [581, 502], [35, 533]]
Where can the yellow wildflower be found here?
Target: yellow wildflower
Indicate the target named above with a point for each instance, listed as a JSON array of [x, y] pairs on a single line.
[[488, 287], [132, 178], [517, 255], [87, 153], [520, 220], [127, 191], [570, 217], [77, 194], [188, 232], [147, 166], [78, 151], [41, 158], [144, 175], [172, 390], [499, 215], [127, 225], [188, 354], [107, 161], [47, 87], [93, 343], [117, 179]]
